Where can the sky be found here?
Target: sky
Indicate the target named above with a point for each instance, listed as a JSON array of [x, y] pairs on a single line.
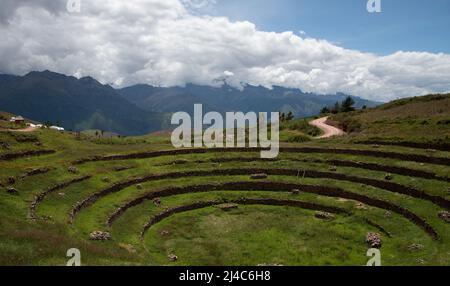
[[407, 25], [320, 46]]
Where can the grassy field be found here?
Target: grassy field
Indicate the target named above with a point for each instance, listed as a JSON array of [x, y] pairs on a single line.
[[61, 199]]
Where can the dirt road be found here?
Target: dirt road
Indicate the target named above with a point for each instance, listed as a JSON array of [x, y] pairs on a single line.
[[328, 130], [28, 129]]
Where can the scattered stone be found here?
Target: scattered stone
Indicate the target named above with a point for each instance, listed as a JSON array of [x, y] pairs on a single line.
[[415, 247], [388, 214], [37, 144], [388, 177], [324, 216], [121, 168], [5, 145], [333, 169], [373, 240], [258, 176], [165, 233], [61, 194], [295, 192], [106, 180], [46, 218], [172, 257], [33, 172], [227, 207], [444, 215], [73, 170], [11, 180], [100, 236], [139, 187], [420, 261], [361, 206], [12, 191], [157, 202]]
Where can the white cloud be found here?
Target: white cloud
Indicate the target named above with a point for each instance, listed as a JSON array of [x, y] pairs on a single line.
[[162, 43]]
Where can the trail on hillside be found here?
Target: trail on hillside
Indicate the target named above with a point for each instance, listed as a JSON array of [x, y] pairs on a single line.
[[328, 130], [28, 129]]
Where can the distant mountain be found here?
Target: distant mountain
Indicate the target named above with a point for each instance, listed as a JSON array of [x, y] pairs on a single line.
[[76, 104], [226, 98], [84, 104]]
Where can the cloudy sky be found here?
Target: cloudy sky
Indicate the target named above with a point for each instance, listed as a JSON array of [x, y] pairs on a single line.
[[315, 45]]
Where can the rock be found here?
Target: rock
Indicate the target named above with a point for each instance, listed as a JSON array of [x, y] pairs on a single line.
[[106, 180], [12, 191], [100, 235], [46, 218], [227, 207], [295, 192], [11, 180], [121, 168], [373, 240], [139, 187], [38, 144], [361, 206], [420, 261], [73, 170], [165, 233], [445, 216], [324, 215], [388, 214], [415, 247], [172, 257], [258, 176], [61, 194], [376, 146], [388, 177], [157, 202], [333, 169], [5, 145]]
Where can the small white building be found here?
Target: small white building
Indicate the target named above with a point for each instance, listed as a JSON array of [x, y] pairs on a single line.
[[17, 119], [57, 128]]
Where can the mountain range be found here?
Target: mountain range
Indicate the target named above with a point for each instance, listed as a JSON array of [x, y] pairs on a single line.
[[85, 103]]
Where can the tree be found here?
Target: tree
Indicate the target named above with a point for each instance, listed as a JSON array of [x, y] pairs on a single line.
[[290, 116], [347, 105], [283, 117], [325, 110], [336, 109]]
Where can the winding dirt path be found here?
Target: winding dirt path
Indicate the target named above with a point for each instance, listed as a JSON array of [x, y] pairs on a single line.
[[24, 130], [328, 130]]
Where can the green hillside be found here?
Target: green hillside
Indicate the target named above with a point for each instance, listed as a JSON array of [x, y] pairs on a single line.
[[313, 205], [421, 121]]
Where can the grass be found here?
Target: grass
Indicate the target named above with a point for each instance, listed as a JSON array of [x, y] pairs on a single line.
[[248, 235]]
